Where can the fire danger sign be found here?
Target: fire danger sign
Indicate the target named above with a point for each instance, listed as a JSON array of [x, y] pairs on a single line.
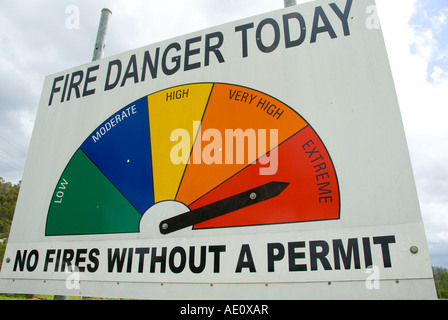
[[264, 158]]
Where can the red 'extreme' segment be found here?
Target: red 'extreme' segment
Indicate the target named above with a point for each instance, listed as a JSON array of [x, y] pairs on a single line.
[[313, 193]]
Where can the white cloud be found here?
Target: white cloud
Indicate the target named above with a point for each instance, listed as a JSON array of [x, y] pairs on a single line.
[[439, 76], [422, 89], [430, 26], [422, 102]]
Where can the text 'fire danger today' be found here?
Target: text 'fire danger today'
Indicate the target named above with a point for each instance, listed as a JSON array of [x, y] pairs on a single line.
[[291, 30]]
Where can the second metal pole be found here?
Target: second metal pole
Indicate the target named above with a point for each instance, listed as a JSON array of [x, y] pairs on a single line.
[[289, 3]]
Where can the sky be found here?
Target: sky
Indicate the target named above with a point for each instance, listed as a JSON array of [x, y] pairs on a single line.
[[42, 37]]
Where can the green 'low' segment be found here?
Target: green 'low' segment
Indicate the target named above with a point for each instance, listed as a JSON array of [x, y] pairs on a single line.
[[86, 202]]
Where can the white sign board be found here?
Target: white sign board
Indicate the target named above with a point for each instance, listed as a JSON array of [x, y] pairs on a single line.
[[261, 159]]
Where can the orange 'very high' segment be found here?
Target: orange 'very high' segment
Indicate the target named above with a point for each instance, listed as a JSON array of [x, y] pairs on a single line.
[[231, 108]]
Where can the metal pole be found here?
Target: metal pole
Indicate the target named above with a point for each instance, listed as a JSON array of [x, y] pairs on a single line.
[[289, 3], [100, 44]]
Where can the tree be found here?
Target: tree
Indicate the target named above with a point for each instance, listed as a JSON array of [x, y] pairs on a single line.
[[441, 281], [8, 199]]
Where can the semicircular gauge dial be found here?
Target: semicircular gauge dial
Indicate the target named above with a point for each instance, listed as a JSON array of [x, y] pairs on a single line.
[[203, 145]]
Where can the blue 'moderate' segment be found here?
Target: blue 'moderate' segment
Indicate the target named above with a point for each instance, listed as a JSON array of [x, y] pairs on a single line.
[[120, 147]]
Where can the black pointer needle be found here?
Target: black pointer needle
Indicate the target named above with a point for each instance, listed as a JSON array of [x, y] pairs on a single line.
[[221, 207]]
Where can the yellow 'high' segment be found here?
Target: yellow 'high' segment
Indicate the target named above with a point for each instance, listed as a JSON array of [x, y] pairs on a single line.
[[170, 110]]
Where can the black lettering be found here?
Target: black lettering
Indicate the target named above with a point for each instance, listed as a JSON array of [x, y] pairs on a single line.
[[20, 260], [129, 265], [319, 13], [153, 67], [367, 252], [278, 113], [74, 84], [215, 48], [217, 251], [302, 29], [274, 45], [202, 260], [312, 152], [141, 261], [314, 255], [271, 109], [243, 30], [293, 255], [31, 266], [242, 262], [65, 87], [54, 90], [262, 103], [109, 85], [183, 260], [158, 259], [95, 263], [175, 59], [48, 258], [190, 52], [322, 186], [89, 79], [131, 71], [307, 144], [320, 167], [58, 259], [116, 258], [80, 259], [318, 158], [343, 15], [67, 257], [352, 251], [384, 242], [275, 257]]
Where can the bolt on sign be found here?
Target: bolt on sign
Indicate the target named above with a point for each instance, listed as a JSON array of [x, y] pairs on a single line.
[[264, 158]]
